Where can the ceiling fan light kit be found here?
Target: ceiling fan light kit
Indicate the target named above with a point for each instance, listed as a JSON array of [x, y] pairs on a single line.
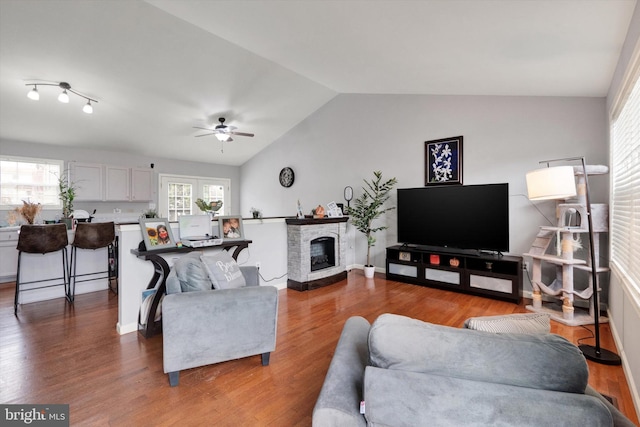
[[64, 95], [223, 137], [222, 132]]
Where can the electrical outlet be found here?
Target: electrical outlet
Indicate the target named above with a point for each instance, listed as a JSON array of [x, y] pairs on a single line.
[[258, 265], [525, 266]]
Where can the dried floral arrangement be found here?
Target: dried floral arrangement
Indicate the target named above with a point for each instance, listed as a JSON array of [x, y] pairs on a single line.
[[29, 211]]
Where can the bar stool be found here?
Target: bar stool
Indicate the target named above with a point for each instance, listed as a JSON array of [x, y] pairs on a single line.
[[92, 236], [42, 239]]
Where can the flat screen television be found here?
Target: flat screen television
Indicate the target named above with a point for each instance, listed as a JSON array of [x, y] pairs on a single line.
[[462, 217]]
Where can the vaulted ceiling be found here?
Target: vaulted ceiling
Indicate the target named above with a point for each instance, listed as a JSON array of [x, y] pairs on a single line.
[[160, 67]]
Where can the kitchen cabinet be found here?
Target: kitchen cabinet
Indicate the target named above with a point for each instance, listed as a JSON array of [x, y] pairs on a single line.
[[141, 184], [118, 183], [98, 182], [88, 180], [8, 254]]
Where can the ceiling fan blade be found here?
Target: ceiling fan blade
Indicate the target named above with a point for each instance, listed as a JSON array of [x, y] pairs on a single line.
[[198, 127], [204, 134], [240, 133]]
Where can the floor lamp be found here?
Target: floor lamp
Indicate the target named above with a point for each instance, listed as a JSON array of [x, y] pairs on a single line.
[[559, 183]]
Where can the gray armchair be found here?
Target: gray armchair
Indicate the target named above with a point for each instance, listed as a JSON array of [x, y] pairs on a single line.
[[202, 327]]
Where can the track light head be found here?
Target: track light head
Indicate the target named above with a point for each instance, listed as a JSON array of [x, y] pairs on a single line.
[[88, 108], [33, 93], [64, 97]]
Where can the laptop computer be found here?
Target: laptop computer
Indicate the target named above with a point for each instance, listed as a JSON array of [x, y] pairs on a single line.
[[195, 228]]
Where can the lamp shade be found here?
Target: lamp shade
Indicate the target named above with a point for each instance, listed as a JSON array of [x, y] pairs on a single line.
[[222, 137], [33, 94], [64, 97], [551, 183]]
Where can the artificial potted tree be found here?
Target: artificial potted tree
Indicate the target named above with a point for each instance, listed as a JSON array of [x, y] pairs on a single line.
[[67, 193], [367, 208]]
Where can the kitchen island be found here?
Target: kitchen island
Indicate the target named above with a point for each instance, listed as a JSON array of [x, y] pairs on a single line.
[[41, 267]]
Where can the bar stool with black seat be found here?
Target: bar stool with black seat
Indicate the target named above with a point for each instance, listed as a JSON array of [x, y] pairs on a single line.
[[41, 239], [91, 236]]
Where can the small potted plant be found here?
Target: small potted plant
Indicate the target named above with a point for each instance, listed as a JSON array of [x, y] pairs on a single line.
[[150, 213], [256, 213], [209, 207], [369, 207]]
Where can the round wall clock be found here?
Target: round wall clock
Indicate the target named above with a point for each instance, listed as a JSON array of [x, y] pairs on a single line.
[[287, 177]]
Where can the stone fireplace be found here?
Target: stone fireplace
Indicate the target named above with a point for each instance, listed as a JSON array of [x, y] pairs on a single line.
[[317, 251]]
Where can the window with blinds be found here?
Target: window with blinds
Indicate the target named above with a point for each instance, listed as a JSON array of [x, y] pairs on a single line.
[[625, 191]]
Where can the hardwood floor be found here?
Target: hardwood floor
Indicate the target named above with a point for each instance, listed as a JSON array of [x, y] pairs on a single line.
[[53, 352]]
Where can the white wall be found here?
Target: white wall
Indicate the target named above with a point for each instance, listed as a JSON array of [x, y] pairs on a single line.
[[352, 135]]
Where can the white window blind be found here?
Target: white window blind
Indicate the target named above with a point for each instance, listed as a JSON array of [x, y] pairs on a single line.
[[625, 190]]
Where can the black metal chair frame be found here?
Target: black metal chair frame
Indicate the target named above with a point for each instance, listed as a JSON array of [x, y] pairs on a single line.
[[42, 239], [93, 236]]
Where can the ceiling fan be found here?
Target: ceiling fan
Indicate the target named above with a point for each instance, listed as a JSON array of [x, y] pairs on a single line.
[[222, 132]]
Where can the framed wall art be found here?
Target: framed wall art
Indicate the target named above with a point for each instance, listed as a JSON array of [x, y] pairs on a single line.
[[443, 161], [156, 233], [231, 227]]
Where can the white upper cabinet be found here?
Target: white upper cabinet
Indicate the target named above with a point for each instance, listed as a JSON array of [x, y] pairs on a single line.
[[87, 177], [141, 184], [97, 182], [118, 183]]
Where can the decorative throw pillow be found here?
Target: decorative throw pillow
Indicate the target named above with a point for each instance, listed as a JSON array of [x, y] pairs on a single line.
[[190, 274], [223, 270], [525, 323]]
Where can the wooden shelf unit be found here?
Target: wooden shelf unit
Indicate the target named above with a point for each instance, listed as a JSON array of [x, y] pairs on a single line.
[[487, 275]]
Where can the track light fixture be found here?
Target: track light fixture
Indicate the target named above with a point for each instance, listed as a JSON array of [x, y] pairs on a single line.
[[64, 95]]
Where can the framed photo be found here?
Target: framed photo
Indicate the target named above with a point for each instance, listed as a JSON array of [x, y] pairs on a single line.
[[443, 161], [404, 256], [333, 211], [231, 227], [156, 233]]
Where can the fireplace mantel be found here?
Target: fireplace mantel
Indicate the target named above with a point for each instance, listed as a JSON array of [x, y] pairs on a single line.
[[315, 221]]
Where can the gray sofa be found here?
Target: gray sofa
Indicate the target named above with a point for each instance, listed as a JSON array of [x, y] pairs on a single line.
[[202, 326], [405, 372]]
